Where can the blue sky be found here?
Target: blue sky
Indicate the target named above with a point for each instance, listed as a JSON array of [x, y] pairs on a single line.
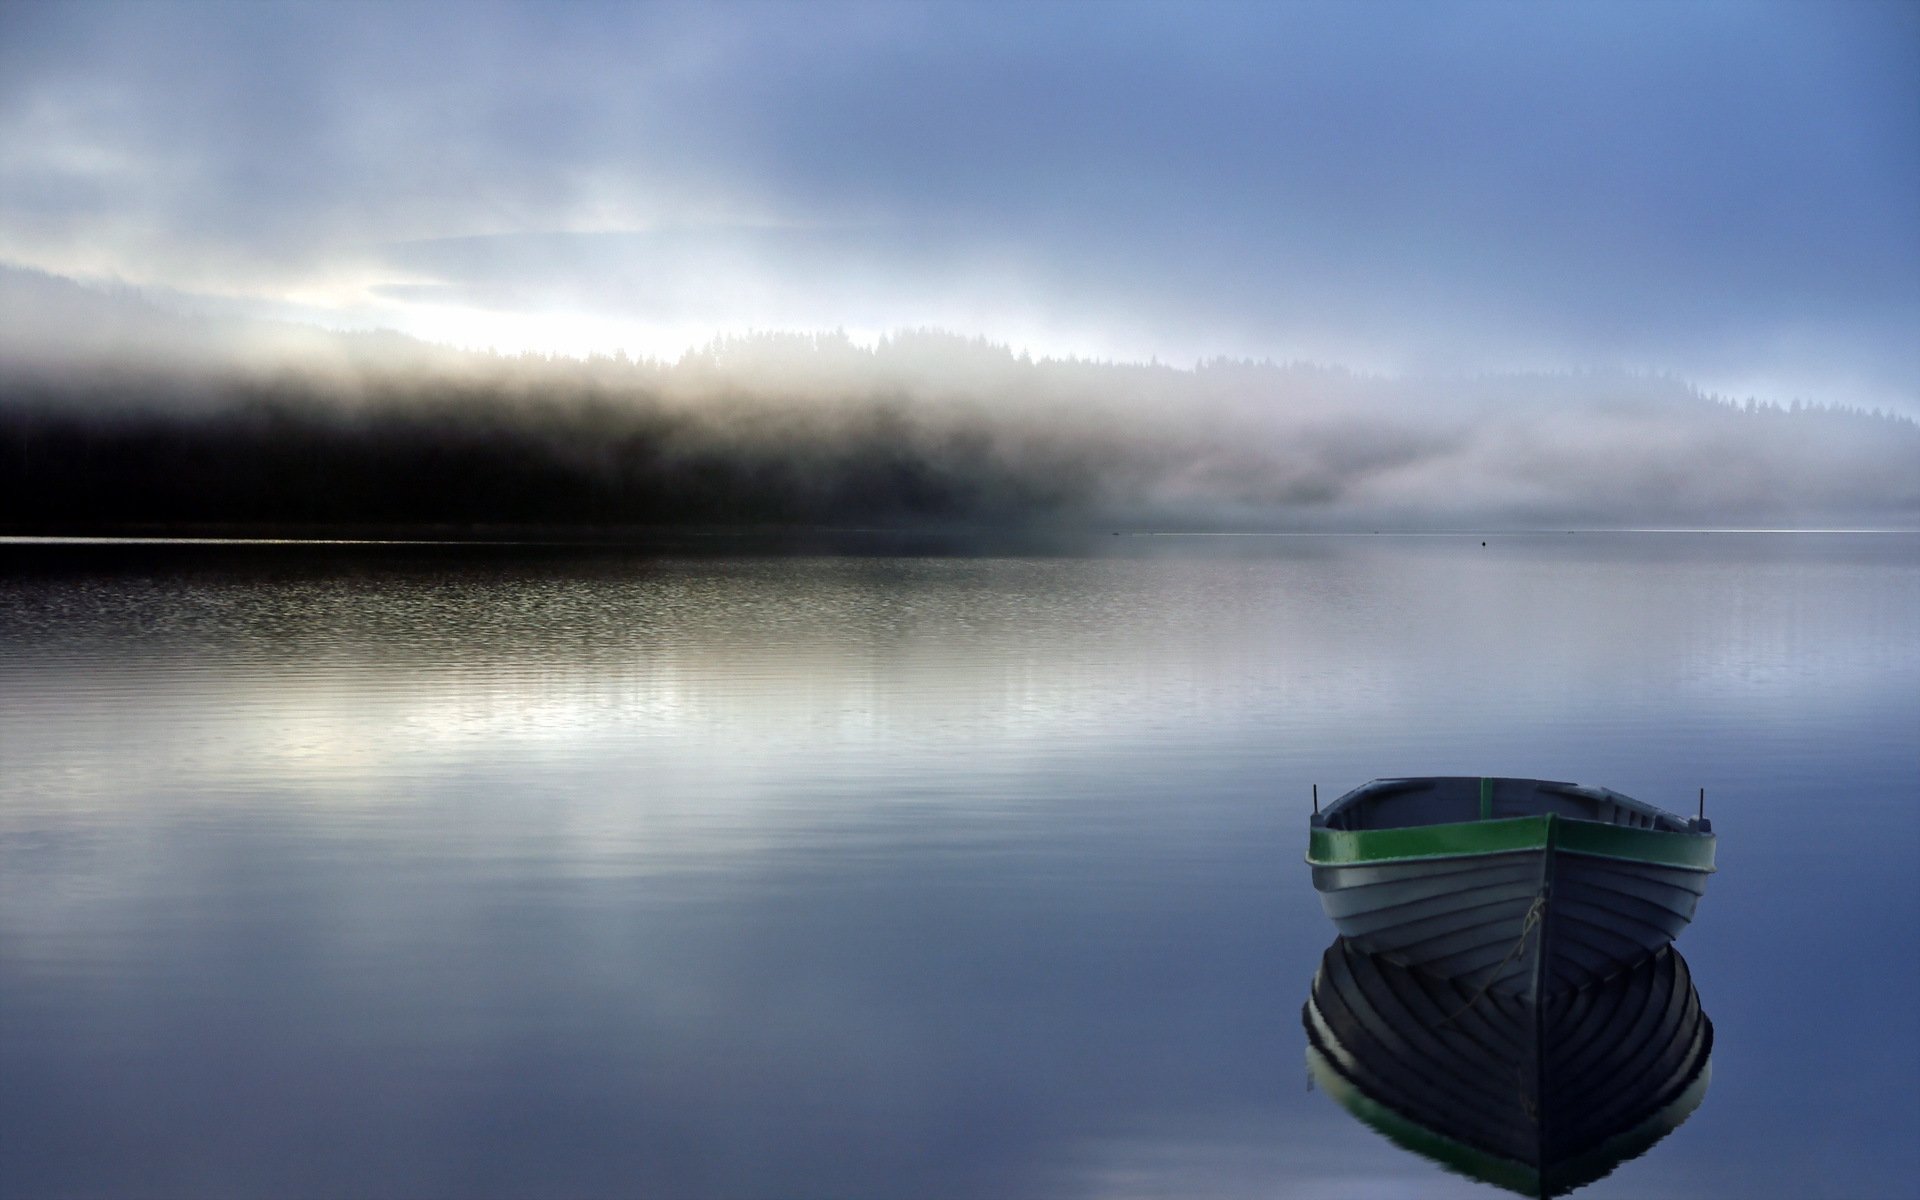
[[1724, 191]]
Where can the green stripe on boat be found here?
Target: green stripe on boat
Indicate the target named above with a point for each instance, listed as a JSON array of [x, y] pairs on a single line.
[[1467, 839], [1599, 840]]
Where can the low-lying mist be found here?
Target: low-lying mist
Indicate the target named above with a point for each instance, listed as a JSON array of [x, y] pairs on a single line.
[[118, 416]]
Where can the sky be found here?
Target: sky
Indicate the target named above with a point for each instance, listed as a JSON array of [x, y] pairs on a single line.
[[1726, 192]]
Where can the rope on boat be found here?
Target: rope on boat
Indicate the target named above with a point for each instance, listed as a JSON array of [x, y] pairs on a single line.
[[1535, 912]]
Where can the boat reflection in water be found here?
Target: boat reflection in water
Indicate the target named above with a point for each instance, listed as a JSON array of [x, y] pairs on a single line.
[[1539, 1099]]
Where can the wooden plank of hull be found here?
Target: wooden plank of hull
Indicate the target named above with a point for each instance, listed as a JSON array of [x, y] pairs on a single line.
[[1535, 1097], [1421, 890], [1464, 918]]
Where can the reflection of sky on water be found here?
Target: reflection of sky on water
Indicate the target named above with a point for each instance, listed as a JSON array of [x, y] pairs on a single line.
[[865, 876]]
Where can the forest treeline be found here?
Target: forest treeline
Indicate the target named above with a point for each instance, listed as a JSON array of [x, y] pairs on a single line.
[[136, 424], [290, 460]]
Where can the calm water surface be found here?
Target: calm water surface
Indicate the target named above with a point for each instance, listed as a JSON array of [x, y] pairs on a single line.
[[405, 872]]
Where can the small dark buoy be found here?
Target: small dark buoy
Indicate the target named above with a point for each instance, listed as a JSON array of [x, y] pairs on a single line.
[[1483, 543]]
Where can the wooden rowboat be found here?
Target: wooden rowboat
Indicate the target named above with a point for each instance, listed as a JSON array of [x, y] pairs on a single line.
[[1516, 885], [1538, 1098]]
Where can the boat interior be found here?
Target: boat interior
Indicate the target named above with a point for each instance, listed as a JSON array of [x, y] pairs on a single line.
[[1446, 800]]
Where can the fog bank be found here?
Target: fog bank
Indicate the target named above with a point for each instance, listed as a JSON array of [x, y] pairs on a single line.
[[117, 414]]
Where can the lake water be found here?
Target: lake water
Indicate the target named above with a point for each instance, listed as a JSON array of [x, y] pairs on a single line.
[[890, 870]]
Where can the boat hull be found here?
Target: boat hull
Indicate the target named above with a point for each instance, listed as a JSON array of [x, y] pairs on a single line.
[[1528, 904]]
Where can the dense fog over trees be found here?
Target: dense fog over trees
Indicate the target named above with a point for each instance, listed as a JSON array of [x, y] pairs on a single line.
[[116, 414]]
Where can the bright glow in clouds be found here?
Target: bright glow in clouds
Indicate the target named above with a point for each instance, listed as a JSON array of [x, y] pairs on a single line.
[[580, 335], [1720, 190], [575, 334]]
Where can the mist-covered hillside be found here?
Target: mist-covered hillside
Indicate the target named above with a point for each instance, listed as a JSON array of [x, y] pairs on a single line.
[[117, 414]]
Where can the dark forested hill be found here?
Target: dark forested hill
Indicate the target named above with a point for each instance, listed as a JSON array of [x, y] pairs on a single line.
[[153, 422]]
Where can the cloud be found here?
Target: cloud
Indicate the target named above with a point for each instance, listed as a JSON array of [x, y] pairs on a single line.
[[1723, 191]]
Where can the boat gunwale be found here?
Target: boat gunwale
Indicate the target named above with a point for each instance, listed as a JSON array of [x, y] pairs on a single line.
[[1692, 851]]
